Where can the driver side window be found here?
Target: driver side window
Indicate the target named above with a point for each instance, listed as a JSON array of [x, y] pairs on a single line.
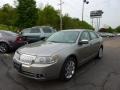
[[85, 36]]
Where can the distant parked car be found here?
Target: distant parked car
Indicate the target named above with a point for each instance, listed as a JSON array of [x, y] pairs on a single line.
[[105, 34], [37, 33], [58, 56], [10, 41], [102, 34], [110, 35], [118, 34]]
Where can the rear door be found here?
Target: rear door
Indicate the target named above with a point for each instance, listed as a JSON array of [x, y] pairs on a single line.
[[94, 42]]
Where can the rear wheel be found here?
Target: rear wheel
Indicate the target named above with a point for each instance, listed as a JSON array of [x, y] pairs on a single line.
[[3, 48], [68, 69], [100, 53]]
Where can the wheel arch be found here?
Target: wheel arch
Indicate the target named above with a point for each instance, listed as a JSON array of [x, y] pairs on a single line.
[[4, 42], [61, 71]]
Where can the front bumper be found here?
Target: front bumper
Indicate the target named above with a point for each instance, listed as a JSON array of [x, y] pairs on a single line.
[[39, 72]]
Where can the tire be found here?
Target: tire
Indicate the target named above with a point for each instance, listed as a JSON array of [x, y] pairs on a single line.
[[68, 69], [4, 48], [100, 53]]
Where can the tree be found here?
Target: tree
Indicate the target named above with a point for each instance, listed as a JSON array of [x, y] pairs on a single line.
[[27, 13], [48, 16], [117, 29], [74, 23], [110, 30], [8, 16]]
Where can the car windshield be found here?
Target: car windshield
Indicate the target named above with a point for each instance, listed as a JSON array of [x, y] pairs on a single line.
[[64, 37]]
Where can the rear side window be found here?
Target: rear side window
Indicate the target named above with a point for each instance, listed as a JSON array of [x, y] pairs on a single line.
[[93, 35], [26, 31], [47, 30], [35, 30]]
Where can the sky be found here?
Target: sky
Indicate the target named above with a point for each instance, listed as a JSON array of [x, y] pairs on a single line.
[[111, 16]]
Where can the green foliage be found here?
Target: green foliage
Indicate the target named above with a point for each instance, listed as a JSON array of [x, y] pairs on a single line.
[[3, 27], [48, 16], [117, 29], [27, 13], [6, 27], [74, 23], [110, 30], [8, 16]]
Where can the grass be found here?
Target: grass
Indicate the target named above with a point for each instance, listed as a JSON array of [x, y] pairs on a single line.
[[9, 28]]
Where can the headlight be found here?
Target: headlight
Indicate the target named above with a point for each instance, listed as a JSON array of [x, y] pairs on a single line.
[[27, 59], [46, 60], [16, 56]]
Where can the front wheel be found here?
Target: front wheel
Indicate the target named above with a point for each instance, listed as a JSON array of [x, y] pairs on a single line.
[[68, 69]]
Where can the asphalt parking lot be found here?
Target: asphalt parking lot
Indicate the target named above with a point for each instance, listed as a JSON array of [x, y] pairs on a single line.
[[95, 75]]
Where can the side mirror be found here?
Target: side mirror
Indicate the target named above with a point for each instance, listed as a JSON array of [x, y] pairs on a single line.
[[83, 42]]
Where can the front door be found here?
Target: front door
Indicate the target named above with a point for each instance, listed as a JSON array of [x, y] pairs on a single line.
[[84, 49]]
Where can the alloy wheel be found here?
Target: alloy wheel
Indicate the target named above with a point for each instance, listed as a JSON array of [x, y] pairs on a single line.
[[69, 69], [3, 48]]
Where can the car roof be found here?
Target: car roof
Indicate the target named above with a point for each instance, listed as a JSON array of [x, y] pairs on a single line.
[[2, 31], [5, 31], [41, 27], [26, 28], [80, 30]]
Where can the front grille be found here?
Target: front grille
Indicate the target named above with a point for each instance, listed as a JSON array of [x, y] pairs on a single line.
[[28, 73], [32, 75]]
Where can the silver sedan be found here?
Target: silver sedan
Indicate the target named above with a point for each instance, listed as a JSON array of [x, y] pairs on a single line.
[[58, 56]]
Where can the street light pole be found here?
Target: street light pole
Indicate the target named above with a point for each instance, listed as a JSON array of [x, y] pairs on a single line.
[[83, 10], [61, 21], [83, 6]]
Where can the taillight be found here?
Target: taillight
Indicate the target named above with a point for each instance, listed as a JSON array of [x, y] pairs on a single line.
[[19, 39]]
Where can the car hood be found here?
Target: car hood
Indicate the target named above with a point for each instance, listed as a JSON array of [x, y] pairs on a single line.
[[43, 48]]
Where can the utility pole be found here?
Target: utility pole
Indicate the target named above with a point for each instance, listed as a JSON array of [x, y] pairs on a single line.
[[61, 21]]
